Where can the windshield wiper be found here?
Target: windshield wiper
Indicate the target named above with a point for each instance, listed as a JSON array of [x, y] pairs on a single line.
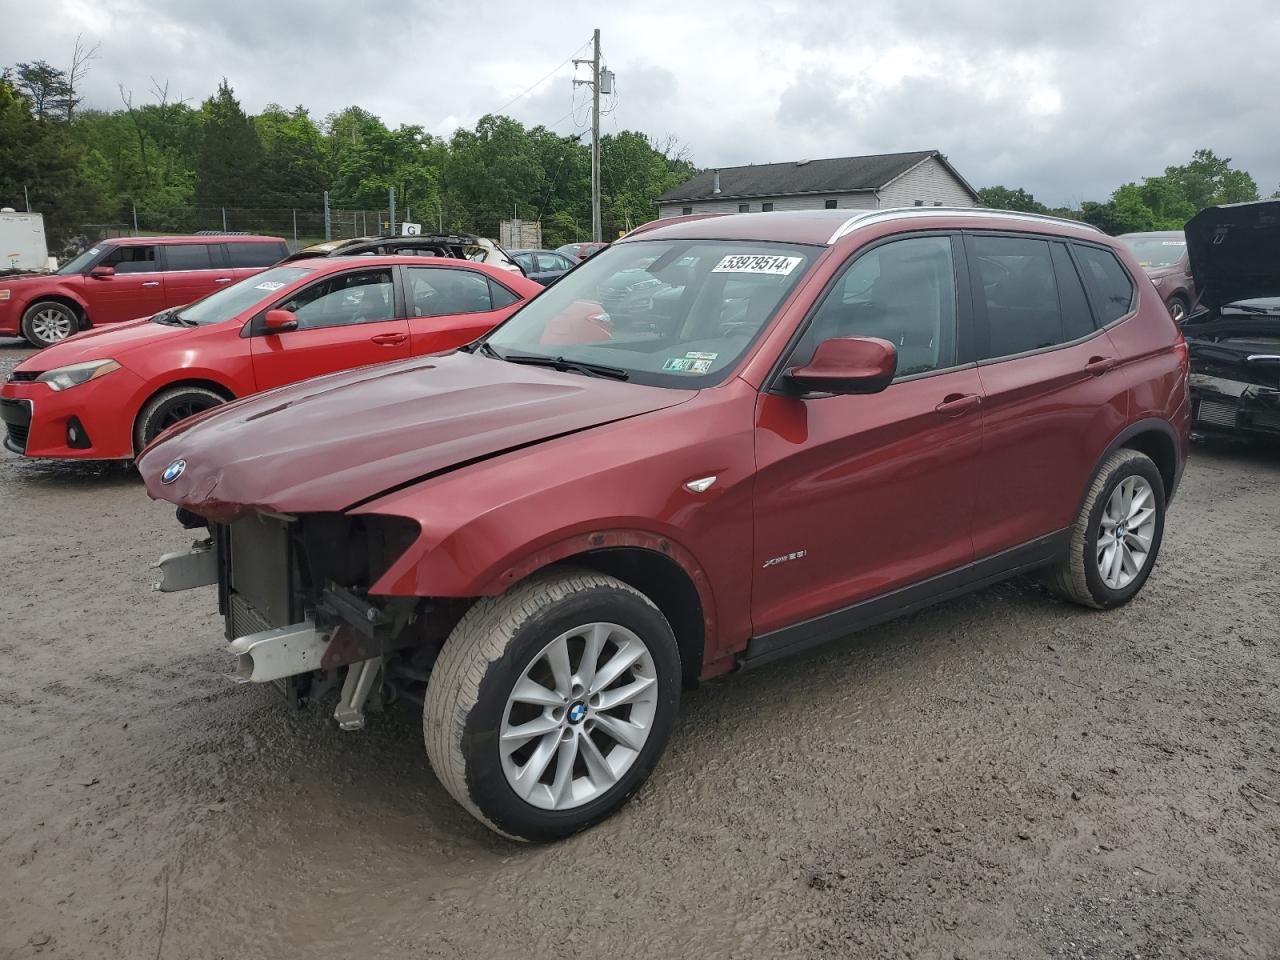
[[165, 316], [564, 364], [488, 351], [1250, 308]]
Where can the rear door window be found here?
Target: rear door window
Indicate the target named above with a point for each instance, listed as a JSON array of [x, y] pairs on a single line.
[[1015, 285], [1109, 283], [255, 253], [1077, 318], [548, 262], [188, 256], [135, 258], [441, 291]]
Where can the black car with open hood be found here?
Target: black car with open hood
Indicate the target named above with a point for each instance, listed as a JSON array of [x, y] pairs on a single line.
[[1234, 334]]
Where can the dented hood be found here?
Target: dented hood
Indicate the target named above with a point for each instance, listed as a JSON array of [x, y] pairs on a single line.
[[1234, 251], [330, 443]]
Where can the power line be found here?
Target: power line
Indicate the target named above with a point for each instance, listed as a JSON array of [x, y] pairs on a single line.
[[550, 73]]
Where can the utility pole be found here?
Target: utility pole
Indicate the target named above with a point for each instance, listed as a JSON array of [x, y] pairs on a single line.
[[27, 197], [328, 227], [594, 83], [391, 199]]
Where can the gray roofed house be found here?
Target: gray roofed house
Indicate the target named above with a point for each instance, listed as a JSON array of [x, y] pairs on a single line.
[[920, 178]]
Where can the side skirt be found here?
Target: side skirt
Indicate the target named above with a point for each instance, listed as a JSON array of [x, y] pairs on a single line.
[[783, 642]]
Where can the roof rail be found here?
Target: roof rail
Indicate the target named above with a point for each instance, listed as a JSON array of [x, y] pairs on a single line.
[[222, 233], [867, 217]]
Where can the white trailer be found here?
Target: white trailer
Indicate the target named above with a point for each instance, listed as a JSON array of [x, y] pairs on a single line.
[[22, 243]]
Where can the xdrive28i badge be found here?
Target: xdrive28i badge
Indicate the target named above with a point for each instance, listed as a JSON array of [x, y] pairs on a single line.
[[173, 471]]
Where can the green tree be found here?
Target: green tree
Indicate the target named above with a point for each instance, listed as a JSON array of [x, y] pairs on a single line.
[[295, 162], [1006, 198], [44, 85], [39, 157], [228, 167]]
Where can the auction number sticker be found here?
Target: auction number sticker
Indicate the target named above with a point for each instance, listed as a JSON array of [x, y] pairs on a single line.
[[757, 263], [269, 285]]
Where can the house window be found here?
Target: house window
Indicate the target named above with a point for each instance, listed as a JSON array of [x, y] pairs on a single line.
[[919, 203], [744, 208], [766, 207], [937, 203], [831, 204], [685, 211]]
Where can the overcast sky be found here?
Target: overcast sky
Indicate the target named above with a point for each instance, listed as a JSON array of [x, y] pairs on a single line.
[[1067, 99]]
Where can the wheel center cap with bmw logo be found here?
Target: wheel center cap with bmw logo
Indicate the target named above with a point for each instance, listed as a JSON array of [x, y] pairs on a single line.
[[577, 712], [173, 471]]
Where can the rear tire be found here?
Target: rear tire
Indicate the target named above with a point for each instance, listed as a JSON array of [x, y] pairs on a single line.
[[1178, 308], [47, 322], [1126, 487], [169, 407], [499, 671]]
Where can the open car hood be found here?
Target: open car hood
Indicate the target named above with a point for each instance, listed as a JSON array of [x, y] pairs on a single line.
[[333, 442], [1234, 251]]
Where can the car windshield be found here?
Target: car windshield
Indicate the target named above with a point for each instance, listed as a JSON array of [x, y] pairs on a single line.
[[660, 312], [1156, 252], [230, 301], [78, 264]]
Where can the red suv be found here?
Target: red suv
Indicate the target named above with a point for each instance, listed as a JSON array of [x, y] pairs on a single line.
[[825, 421], [126, 278]]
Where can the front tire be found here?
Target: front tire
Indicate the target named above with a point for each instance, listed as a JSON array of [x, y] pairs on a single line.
[[47, 322], [550, 705], [1116, 536], [169, 407]]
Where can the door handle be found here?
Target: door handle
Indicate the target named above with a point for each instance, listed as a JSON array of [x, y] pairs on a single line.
[[958, 404], [222, 280], [151, 283], [389, 339], [1099, 365]]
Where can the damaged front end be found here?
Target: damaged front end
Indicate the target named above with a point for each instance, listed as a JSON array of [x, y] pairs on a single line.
[[1235, 375], [293, 594]]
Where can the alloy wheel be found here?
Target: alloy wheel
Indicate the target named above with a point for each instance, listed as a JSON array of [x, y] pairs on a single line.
[[51, 325], [578, 716], [1126, 532]]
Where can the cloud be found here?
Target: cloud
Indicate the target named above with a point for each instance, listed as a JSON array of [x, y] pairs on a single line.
[[1066, 100]]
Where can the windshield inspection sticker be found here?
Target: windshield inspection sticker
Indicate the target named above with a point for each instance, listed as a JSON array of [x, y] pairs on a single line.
[[686, 365], [752, 263], [269, 285]]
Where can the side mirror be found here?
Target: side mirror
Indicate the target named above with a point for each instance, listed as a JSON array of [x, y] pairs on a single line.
[[102, 272], [279, 321], [848, 365]]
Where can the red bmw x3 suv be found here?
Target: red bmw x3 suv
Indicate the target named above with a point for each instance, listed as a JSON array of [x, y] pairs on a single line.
[[820, 422], [122, 279]]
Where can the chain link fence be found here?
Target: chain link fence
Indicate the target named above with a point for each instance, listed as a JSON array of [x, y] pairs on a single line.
[[300, 226]]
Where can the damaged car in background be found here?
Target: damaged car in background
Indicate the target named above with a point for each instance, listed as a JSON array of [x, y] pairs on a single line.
[[1234, 337], [829, 419]]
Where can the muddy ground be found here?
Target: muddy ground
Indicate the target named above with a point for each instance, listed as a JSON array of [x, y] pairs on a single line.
[[1001, 776]]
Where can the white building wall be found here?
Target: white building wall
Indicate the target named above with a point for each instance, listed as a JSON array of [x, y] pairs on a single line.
[[865, 200], [929, 182]]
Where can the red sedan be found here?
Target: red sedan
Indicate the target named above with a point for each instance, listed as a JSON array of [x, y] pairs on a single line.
[[105, 394]]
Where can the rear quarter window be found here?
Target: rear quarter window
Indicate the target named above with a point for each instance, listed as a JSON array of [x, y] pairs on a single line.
[[1109, 283], [255, 253]]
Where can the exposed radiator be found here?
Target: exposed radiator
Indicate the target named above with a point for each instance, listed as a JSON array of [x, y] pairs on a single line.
[[1218, 414]]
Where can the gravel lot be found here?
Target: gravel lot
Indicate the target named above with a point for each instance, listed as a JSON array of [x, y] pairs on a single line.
[[1001, 776]]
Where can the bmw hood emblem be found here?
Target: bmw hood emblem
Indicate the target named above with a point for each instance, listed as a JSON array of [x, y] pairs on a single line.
[[173, 471]]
